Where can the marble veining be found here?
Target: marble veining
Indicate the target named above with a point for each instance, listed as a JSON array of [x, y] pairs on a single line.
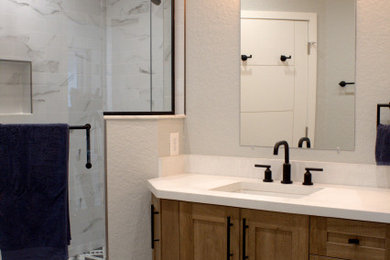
[[87, 56], [65, 41]]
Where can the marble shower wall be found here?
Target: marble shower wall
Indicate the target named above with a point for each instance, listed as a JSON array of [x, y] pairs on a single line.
[[128, 55], [65, 41], [161, 47], [138, 55]]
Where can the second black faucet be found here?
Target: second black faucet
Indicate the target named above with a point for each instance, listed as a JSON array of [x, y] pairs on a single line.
[[286, 165]]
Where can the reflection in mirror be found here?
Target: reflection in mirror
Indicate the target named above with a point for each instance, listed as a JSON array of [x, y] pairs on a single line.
[[298, 72]]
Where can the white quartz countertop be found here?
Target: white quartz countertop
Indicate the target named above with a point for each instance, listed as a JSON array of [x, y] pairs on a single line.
[[349, 202]]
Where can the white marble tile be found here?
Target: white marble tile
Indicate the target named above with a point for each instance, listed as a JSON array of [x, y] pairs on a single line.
[[65, 41]]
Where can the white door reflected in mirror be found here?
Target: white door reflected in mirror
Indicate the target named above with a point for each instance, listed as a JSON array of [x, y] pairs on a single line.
[[275, 82], [293, 57]]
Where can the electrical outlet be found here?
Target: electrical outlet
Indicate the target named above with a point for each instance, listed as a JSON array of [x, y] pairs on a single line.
[[174, 144]]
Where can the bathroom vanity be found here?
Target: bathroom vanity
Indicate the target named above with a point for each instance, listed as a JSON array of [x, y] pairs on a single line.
[[216, 217]]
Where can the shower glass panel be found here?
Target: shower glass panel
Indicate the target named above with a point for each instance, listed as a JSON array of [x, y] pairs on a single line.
[[139, 57], [65, 43], [86, 57], [161, 56]]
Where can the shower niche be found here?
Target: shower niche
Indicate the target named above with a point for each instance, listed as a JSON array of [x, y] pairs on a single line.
[[15, 87]]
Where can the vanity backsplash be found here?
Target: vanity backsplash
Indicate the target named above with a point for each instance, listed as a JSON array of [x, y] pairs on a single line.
[[367, 175]]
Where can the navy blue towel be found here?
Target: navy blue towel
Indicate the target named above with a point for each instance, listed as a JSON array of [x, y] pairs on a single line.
[[382, 149], [34, 209]]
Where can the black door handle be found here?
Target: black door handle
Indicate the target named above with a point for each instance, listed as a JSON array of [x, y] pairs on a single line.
[[244, 228], [152, 213], [228, 226], [246, 57], [283, 58], [344, 84]]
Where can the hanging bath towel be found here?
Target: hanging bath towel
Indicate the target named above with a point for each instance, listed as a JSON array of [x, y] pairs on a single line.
[[382, 149], [34, 211]]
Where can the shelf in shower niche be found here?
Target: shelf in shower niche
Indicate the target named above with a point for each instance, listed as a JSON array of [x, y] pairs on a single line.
[[15, 87]]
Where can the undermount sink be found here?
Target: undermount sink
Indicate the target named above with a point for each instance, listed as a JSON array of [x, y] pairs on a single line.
[[269, 189]]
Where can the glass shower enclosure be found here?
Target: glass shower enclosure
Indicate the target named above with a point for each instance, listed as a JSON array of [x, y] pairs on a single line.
[[68, 62]]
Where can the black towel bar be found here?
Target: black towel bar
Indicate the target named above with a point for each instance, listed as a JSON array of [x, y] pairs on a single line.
[[87, 128], [378, 112]]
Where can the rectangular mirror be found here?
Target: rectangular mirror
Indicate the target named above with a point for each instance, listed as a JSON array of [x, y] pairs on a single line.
[[298, 73]]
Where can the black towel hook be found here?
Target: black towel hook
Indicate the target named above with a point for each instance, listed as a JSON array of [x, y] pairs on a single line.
[[344, 84], [87, 128]]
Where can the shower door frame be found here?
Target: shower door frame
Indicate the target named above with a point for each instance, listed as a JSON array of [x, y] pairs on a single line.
[[157, 113]]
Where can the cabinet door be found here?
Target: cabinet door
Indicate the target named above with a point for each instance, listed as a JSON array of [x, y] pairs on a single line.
[[165, 229], [169, 230], [275, 236], [208, 232]]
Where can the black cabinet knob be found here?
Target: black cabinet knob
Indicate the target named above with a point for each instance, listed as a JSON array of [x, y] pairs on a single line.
[[283, 58], [246, 57]]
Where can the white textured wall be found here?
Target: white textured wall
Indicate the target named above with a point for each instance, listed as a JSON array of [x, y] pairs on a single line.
[[213, 83], [133, 150]]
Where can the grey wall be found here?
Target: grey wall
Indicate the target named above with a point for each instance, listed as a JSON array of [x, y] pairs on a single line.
[[335, 112], [213, 44]]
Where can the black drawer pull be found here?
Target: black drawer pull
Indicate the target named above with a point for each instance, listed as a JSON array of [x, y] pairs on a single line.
[[353, 241], [244, 228], [152, 213], [228, 226]]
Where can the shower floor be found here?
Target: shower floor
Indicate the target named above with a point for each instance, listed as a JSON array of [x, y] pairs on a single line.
[[97, 254]]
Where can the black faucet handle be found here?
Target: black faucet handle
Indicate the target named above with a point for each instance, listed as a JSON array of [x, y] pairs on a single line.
[[314, 169], [307, 179], [262, 166], [267, 172]]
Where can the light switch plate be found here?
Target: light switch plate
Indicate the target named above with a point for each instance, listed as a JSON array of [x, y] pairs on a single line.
[[174, 144]]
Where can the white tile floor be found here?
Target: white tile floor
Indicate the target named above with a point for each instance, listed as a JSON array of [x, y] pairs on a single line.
[[97, 254]]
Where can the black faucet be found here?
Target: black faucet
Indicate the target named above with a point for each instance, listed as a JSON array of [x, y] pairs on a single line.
[[286, 165], [302, 140]]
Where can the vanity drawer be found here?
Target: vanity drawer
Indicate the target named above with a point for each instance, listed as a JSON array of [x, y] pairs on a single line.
[[317, 257], [348, 239]]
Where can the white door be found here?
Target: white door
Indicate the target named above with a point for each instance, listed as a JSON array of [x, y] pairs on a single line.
[[274, 93]]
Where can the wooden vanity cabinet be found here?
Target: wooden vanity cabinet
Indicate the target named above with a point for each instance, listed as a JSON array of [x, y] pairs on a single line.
[[194, 231]]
